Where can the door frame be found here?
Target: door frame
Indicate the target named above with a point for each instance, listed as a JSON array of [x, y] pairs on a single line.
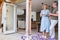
[[4, 18]]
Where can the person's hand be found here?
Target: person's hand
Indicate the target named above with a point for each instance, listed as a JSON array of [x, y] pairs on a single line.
[[50, 14]]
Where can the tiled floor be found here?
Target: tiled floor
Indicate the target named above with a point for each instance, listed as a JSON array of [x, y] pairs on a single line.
[[14, 36], [34, 31], [10, 36], [17, 36]]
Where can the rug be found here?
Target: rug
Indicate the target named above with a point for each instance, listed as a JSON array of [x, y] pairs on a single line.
[[37, 36]]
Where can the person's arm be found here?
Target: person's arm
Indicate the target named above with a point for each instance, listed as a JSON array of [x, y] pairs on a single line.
[[41, 14], [44, 13], [54, 14]]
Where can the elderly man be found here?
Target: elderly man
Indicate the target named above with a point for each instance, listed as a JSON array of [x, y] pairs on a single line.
[[54, 18]]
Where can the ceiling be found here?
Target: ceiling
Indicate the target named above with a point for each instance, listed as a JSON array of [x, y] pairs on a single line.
[[14, 1], [21, 5], [36, 4], [19, 1]]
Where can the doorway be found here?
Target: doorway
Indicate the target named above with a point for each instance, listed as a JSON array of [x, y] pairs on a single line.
[[14, 18]]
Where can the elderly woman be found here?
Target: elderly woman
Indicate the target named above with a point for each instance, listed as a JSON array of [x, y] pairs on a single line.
[[45, 22]]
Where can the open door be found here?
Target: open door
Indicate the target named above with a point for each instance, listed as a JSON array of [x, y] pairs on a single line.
[[9, 18]]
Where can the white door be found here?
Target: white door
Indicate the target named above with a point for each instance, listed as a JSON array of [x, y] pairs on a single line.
[[9, 18]]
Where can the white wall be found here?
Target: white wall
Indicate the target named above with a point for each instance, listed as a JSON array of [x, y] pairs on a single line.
[[33, 15], [20, 11]]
